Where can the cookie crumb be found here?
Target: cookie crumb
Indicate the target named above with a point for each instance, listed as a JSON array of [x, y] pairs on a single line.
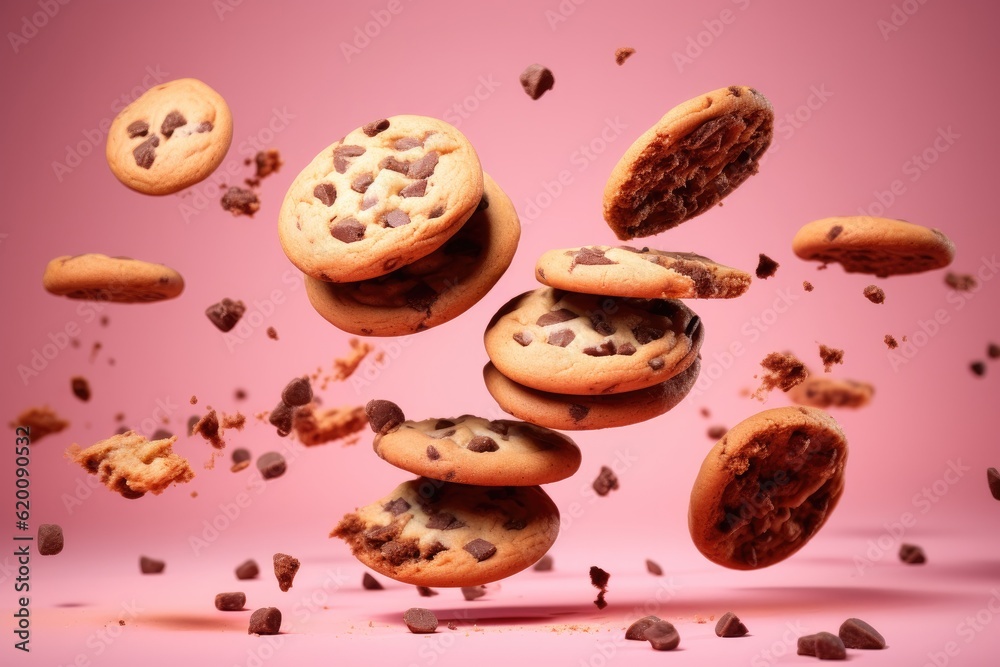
[[208, 427], [890, 342], [314, 426], [50, 539], [240, 201], [599, 580], [782, 370], [606, 481], [268, 162], [151, 565], [978, 367], [285, 567], [706, 413], [193, 400], [94, 350], [654, 568], [830, 356], [452, 625], [911, 554], [766, 267], [40, 422], [729, 625], [961, 282], [807, 286], [345, 366], [716, 432], [874, 294], [536, 79], [272, 333], [623, 53], [993, 351]]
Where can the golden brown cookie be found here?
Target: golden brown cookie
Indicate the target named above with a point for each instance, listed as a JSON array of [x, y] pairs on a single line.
[[878, 246], [767, 487], [825, 392], [697, 154], [133, 466], [101, 278]]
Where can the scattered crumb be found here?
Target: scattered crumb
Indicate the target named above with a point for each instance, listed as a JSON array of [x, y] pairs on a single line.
[[807, 286], [240, 394], [285, 568], [599, 580], [314, 426], [993, 351], [40, 422], [272, 333], [706, 413], [830, 356], [623, 53], [121, 622], [978, 367], [268, 162], [654, 568], [129, 464], [94, 350], [194, 494], [536, 80], [74, 343], [782, 371], [716, 432], [208, 427], [961, 282], [874, 294], [240, 201], [766, 267], [890, 342], [452, 625], [80, 387], [237, 421], [194, 400], [345, 366], [105, 320], [606, 481]]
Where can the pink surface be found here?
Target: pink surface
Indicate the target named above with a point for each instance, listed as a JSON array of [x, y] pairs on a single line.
[[881, 106]]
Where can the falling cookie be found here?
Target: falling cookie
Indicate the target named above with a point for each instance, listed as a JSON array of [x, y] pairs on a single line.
[[133, 466], [823, 392], [97, 277]]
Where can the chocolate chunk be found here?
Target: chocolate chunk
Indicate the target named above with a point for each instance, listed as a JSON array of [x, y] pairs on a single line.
[[370, 583], [482, 443], [436, 213], [173, 120], [247, 569], [638, 628], [272, 333], [420, 621], [601, 325], [398, 552], [297, 392], [347, 230], [282, 418], [161, 434], [834, 232], [208, 428], [623, 53], [626, 349], [151, 565], [443, 423], [230, 601], [766, 267], [145, 152], [206, 126], [536, 79], [830, 356], [654, 568], [225, 314], [375, 127], [271, 465], [406, 143], [138, 128], [424, 167], [730, 626], [480, 549], [890, 342], [645, 333], [285, 567], [560, 338], [361, 183], [327, 192], [515, 524], [656, 363], [471, 593], [590, 257], [341, 155], [662, 636], [874, 294], [978, 367], [383, 416], [806, 645], [716, 432], [395, 218], [823, 645], [426, 592], [599, 579], [81, 388], [555, 317], [397, 506], [605, 349], [606, 481], [432, 453], [415, 189], [392, 163], [911, 554], [444, 521], [577, 412], [544, 564], [50, 539], [499, 427], [855, 633], [265, 621], [993, 351], [524, 338], [993, 480]]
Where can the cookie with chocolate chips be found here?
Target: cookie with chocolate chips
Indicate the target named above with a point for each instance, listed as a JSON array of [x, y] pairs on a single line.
[[98, 277], [877, 246], [382, 197], [826, 392], [571, 343], [172, 136], [434, 289], [767, 487], [639, 272], [569, 412], [697, 154], [432, 533]]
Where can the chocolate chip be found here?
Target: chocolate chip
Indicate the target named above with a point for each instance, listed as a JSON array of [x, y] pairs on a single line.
[[138, 128], [432, 453], [282, 417], [823, 645], [341, 155], [653, 568], [544, 564], [297, 392], [730, 626], [347, 230], [626, 349], [406, 143], [50, 539], [766, 267], [240, 454], [471, 593], [590, 257], [560, 338], [874, 294], [480, 549], [206, 126], [361, 183], [383, 416], [420, 621], [444, 521], [834, 232], [392, 163], [426, 592], [555, 317], [271, 465], [375, 127], [601, 324], [606, 481], [716, 432], [638, 628], [605, 349], [208, 427], [399, 552], [247, 570], [81, 388], [370, 583], [145, 152], [265, 621], [482, 443], [436, 213], [225, 314], [415, 189], [599, 579], [978, 368], [397, 506], [911, 554], [536, 79], [515, 524], [662, 636], [327, 192], [656, 363], [151, 565], [394, 218], [645, 333], [443, 423], [230, 601], [524, 338], [577, 412], [424, 167], [993, 480], [173, 121], [855, 633], [285, 567], [993, 351]]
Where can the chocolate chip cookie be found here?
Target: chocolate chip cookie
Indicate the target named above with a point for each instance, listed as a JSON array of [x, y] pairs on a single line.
[[697, 154], [101, 278], [173, 136], [823, 392], [767, 487], [384, 196], [133, 466]]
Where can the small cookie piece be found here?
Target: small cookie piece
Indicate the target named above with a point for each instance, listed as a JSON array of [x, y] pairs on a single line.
[[472, 450], [730, 625], [571, 343], [225, 314], [240, 201], [50, 539], [767, 487], [536, 79], [285, 568], [317, 426], [97, 277], [40, 421], [432, 533], [384, 196], [230, 601], [855, 633], [605, 482], [640, 273], [172, 136], [420, 621], [81, 388], [567, 412], [830, 356], [878, 246], [875, 294], [766, 267], [265, 621], [694, 156], [434, 289], [248, 569], [623, 53], [133, 466], [782, 370], [599, 579], [824, 392]]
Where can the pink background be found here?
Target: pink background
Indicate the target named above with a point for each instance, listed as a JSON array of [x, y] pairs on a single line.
[[878, 98]]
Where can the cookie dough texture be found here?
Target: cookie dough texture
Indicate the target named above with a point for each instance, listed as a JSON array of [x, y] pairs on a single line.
[[129, 464], [173, 136], [98, 277]]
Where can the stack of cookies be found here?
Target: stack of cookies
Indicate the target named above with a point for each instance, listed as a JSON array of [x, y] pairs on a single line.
[[475, 514], [397, 228]]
